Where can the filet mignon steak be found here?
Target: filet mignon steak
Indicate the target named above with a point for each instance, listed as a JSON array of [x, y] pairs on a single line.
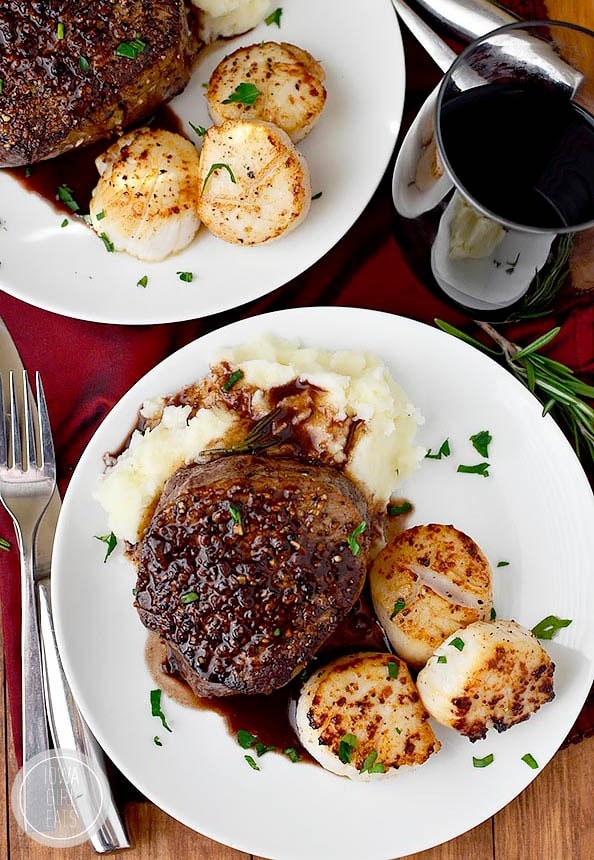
[[65, 82], [246, 569]]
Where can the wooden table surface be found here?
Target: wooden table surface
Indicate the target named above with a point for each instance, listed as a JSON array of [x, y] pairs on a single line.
[[552, 819]]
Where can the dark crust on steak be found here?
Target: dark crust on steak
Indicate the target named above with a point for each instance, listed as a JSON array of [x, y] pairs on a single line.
[[271, 589], [49, 104]]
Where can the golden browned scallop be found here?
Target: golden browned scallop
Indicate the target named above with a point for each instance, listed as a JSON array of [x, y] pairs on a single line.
[[491, 674], [255, 185], [361, 716], [287, 80], [426, 583]]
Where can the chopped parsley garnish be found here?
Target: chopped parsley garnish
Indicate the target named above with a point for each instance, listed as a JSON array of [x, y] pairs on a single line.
[[481, 442], [189, 597], [263, 748], [232, 379], [28, 171], [199, 129], [1, 85], [442, 659], [398, 607], [397, 510], [393, 669], [235, 514], [246, 739], [371, 765], [4, 544], [530, 761], [60, 30], [65, 223], [457, 643], [100, 215], [64, 195], [483, 762], [219, 166], [317, 196], [274, 17], [345, 747], [444, 451], [493, 614], [83, 64], [142, 282], [187, 277], [502, 563], [156, 708], [251, 762], [157, 741], [276, 632], [292, 753], [479, 469], [550, 626], [107, 242], [131, 50], [111, 541], [352, 539], [245, 94]]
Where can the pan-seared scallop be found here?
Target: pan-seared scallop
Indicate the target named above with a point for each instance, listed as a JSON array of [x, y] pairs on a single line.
[[426, 583], [361, 716], [491, 674], [281, 84], [255, 185]]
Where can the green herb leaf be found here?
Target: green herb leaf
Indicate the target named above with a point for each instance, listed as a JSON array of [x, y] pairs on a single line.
[[481, 442], [292, 753], [189, 597], [398, 607], [100, 215], [65, 223], [219, 166], [188, 277], [132, 49], [111, 541], [478, 469], [502, 563], [245, 94], [444, 451], [156, 708], [276, 632], [232, 379], [235, 514], [530, 761], [64, 195], [352, 539], [397, 510], [246, 739], [60, 30], [1, 85], [345, 747], [261, 749], [393, 669], [142, 282], [274, 17], [442, 659], [483, 762], [109, 246], [371, 765], [83, 64], [493, 614], [550, 626], [4, 544], [157, 741], [199, 129], [251, 762], [317, 196], [457, 643]]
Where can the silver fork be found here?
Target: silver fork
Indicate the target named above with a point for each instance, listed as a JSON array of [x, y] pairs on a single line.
[[27, 483]]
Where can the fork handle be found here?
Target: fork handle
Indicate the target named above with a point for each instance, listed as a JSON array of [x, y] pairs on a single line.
[[70, 731]]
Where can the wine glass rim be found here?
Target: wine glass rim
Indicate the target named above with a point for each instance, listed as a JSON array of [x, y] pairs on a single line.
[[460, 59]]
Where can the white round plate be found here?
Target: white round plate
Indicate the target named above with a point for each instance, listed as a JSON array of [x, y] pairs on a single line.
[[68, 270], [535, 510]]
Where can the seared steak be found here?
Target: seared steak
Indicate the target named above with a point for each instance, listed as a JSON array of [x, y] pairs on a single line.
[[64, 80], [246, 568]]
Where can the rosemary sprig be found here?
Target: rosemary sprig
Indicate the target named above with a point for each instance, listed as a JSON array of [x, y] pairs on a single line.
[[538, 301], [260, 437], [554, 384]]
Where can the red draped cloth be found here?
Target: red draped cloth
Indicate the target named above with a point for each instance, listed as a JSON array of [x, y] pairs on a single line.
[[87, 367]]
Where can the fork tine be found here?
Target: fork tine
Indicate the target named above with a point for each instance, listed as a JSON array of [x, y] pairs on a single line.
[[15, 431], [3, 443], [29, 426], [45, 431]]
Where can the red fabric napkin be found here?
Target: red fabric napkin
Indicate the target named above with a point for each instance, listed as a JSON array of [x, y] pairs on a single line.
[[87, 367]]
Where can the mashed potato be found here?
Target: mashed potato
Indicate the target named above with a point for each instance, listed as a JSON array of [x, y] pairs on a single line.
[[346, 403]]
